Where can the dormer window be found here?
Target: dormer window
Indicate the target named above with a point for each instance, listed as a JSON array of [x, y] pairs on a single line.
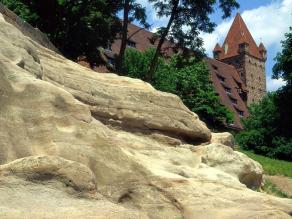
[[109, 47], [111, 61], [221, 79], [240, 113], [131, 44], [233, 101], [228, 90], [215, 67]]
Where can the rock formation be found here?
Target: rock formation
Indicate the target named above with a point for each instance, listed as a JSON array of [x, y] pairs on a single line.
[[78, 144]]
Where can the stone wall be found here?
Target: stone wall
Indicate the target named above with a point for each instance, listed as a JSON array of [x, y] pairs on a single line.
[[255, 79], [27, 30], [252, 72]]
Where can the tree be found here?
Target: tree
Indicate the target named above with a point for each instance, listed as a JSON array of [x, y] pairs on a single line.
[[283, 67], [186, 19], [268, 130], [75, 27], [263, 133], [132, 11], [189, 79]]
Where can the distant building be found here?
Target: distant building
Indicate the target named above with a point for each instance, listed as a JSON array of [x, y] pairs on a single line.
[[237, 70], [240, 50]]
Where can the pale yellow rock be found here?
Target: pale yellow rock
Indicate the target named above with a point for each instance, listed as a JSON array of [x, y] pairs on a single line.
[[78, 144], [235, 163], [223, 138]]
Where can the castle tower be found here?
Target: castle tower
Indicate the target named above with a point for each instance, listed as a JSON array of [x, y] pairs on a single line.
[[240, 50]]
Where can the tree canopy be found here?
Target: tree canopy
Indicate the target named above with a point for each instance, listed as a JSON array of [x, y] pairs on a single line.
[[131, 11], [268, 130], [283, 67], [187, 18], [75, 27]]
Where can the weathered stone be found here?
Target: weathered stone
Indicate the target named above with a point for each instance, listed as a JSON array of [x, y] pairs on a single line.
[[235, 163], [77, 144], [223, 138]]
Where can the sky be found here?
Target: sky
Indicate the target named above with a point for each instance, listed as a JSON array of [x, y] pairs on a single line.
[[267, 20]]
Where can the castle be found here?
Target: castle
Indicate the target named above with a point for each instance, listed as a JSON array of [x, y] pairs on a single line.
[[240, 50], [237, 69]]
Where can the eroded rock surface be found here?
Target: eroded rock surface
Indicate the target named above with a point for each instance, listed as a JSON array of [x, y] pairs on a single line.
[[77, 144]]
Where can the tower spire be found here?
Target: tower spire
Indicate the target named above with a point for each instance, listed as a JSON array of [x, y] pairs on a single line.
[[239, 34]]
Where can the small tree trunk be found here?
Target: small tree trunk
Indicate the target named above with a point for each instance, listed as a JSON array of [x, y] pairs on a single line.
[[124, 36], [154, 61]]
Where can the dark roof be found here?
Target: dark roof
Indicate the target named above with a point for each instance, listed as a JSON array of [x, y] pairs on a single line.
[[233, 82], [238, 34], [143, 40]]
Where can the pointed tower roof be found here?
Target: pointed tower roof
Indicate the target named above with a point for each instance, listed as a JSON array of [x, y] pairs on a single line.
[[217, 48], [238, 34], [262, 47]]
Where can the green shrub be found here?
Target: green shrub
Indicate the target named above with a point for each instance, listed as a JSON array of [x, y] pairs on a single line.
[[263, 130]]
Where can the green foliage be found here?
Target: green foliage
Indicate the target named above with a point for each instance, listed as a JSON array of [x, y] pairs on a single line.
[[187, 78], [132, 11], [283, 66], [186, 19], [263, 130], [190, 17], [75, 27], [271, 166], [268, 130]]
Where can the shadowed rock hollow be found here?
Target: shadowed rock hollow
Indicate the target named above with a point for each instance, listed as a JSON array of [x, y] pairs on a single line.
[[77, 144]]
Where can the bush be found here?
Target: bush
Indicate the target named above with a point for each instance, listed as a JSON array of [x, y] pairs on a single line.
[[263, 132], [187, 78]]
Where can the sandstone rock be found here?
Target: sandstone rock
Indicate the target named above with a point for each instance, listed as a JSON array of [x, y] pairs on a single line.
[[235, 163], [77, 144], [223, 138]]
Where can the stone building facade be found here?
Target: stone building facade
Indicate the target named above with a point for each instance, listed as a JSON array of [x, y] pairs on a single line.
[[240, 50]]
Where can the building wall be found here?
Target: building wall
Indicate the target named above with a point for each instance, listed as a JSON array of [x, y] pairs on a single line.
[[252, 72], [255, 79]]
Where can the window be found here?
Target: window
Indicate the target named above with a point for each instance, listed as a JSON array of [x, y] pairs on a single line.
[[221, 79], [233, 101], [240, 113], [109, 47], [111, 61], [228, 90], [131, 44], [215, 67]]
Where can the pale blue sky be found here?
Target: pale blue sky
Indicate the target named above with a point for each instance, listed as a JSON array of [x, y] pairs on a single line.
[[267, 21]]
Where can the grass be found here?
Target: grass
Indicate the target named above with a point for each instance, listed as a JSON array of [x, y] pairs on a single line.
[[271, 166], [271, 189]]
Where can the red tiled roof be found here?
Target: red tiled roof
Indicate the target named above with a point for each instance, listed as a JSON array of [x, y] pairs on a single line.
[[238, 34], [262, 47], [217, 48], [143, 40], [231, 80]]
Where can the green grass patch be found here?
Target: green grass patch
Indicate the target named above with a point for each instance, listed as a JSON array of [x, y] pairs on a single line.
[[271, 166], [271, 189]]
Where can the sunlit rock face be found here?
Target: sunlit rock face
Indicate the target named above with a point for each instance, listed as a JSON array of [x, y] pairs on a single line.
[[78, 144]]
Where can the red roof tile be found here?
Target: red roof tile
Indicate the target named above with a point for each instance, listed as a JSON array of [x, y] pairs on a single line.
[[232, 81], [238, 34]]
